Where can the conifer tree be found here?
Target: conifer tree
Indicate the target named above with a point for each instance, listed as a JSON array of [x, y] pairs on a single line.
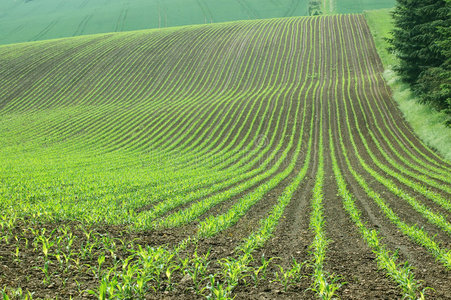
[[435, 83], [421, 41]]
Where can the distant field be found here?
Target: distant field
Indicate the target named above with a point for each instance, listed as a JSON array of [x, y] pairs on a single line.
[[44, 19], [352, 6], [22, 21], [261, 157]]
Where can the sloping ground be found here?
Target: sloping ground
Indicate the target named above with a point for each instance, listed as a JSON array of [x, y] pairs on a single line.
[[219, 146], [352, 6], [32, 20]]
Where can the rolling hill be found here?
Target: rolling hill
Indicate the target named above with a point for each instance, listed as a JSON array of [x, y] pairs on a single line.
[[261, 157], [31, 20]]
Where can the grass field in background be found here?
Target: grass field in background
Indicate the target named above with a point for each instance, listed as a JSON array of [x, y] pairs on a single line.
[[354, 6], [22, 21], [426, 122], [350, 6], [45, 19]]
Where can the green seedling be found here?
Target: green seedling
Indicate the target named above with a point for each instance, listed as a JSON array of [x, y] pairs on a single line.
[[197, 269], [259, 273], [46, 271]]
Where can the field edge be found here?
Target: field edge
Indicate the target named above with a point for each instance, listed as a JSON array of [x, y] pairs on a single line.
[[433, 132]]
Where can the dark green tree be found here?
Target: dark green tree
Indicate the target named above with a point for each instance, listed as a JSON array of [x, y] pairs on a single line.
[[421, 41], [435, 83]]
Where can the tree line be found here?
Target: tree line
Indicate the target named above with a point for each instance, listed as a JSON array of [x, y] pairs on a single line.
[[422, 42]]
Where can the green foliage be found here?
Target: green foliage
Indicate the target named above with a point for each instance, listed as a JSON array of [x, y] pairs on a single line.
[[434, 85], [315, 7], [416, 234], [428, 123], [380, 22], [421, 40]]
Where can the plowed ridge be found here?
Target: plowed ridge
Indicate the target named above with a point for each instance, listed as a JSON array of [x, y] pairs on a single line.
[[280, 132]]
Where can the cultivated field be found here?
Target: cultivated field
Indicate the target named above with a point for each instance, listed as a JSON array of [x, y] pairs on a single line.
[[251, 159], [32, 20], [352, 6]]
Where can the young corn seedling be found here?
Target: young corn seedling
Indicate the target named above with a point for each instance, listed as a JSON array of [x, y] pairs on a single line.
[[108, 286], [16, 294], [46, 271], [198, 269], [86, 250], [219, 292], [126, 285], [158, 265], [59, 259], [100, 261], [296, 270], [169, 272], [17, 254], [326, 288], [109, 245], [290, 276], [17, 251], [260, 272], [234, 271], [86, 232], [47, 244]]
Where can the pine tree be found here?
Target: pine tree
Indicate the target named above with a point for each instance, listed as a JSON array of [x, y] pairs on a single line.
[[435, 83], [421, 41]]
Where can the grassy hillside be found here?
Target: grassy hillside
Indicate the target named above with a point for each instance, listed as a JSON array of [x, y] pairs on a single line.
[[427, 122], [223, 160], [31, 20], [22, 21], [352, 6]]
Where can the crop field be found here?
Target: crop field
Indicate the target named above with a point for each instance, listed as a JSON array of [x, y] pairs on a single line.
[[257, 159], [31, 20], [352, 6]]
